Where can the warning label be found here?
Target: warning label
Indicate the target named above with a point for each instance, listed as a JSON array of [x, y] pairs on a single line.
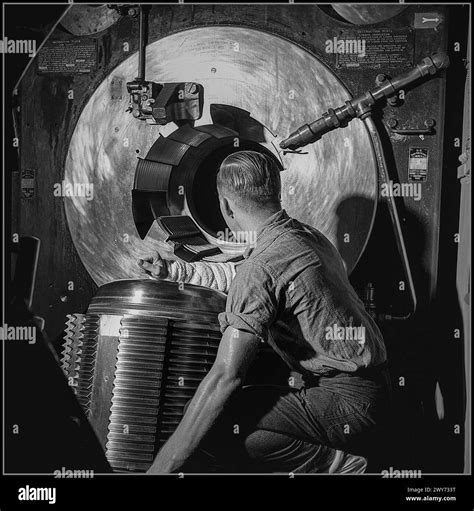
[[417, 164], [27, 183], [382, 48], [73, 56]]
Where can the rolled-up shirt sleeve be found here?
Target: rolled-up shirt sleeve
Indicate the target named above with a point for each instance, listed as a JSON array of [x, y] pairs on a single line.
[[251, 303]]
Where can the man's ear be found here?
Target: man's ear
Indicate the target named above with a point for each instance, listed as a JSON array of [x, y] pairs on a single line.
[[227, 207]]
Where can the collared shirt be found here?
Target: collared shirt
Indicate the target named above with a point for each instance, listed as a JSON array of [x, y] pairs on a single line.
[[292, 291]]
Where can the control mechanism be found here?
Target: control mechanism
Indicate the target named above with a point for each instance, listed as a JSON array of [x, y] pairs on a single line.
[[158, 103]]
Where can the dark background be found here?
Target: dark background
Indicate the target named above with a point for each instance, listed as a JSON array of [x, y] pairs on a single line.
[[421, 349]]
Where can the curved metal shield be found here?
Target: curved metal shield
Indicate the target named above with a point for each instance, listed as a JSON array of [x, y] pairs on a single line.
[[331, 185]]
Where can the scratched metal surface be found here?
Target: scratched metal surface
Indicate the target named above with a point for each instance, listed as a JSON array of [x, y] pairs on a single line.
[[89, 19], [367, 14], [332, 186]]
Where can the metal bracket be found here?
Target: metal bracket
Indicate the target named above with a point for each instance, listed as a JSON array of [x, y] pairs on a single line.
[[427, 130], [464, 170]]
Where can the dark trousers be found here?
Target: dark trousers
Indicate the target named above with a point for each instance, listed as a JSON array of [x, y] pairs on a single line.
[[268, 428]]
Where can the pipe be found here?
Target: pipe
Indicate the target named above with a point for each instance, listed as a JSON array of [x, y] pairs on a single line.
[[142, 45], [362, 105], [378, 150]]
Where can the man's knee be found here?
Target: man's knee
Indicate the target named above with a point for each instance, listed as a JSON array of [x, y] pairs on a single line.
[[262, 445]]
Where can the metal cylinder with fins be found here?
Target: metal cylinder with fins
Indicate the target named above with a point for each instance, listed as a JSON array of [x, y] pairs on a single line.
[[138, 355], [135, 358]]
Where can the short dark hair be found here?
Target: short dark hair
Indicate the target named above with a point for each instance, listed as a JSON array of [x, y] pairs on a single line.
[[251, 177]]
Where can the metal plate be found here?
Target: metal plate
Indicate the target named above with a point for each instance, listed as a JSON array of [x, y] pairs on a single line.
[[89, 19], [332, 186], [367, 14]]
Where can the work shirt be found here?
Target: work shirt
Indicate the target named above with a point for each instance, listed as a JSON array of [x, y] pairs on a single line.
[[292, 292]]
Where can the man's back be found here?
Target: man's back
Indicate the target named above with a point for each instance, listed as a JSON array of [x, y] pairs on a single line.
[[292, 290]]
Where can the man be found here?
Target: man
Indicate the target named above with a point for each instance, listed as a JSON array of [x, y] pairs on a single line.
[[292, 292]]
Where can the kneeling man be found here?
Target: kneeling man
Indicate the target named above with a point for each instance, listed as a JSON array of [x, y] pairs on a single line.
[[291, 292]]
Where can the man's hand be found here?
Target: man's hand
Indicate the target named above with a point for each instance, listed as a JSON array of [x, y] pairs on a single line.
[[154, 265]]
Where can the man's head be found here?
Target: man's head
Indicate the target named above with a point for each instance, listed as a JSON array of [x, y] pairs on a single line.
[[249, 187]]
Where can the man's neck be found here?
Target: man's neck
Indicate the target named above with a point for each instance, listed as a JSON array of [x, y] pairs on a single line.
[[252, 223]]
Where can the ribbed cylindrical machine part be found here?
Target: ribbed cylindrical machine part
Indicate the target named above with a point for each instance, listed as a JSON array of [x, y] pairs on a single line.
[[179, 174], [135, 359]]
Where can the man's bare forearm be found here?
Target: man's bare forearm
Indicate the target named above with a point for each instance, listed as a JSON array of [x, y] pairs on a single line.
[[236, 352], [205, 407]]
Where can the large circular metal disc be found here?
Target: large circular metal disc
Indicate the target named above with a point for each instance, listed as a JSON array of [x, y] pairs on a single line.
[[331, 186]]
